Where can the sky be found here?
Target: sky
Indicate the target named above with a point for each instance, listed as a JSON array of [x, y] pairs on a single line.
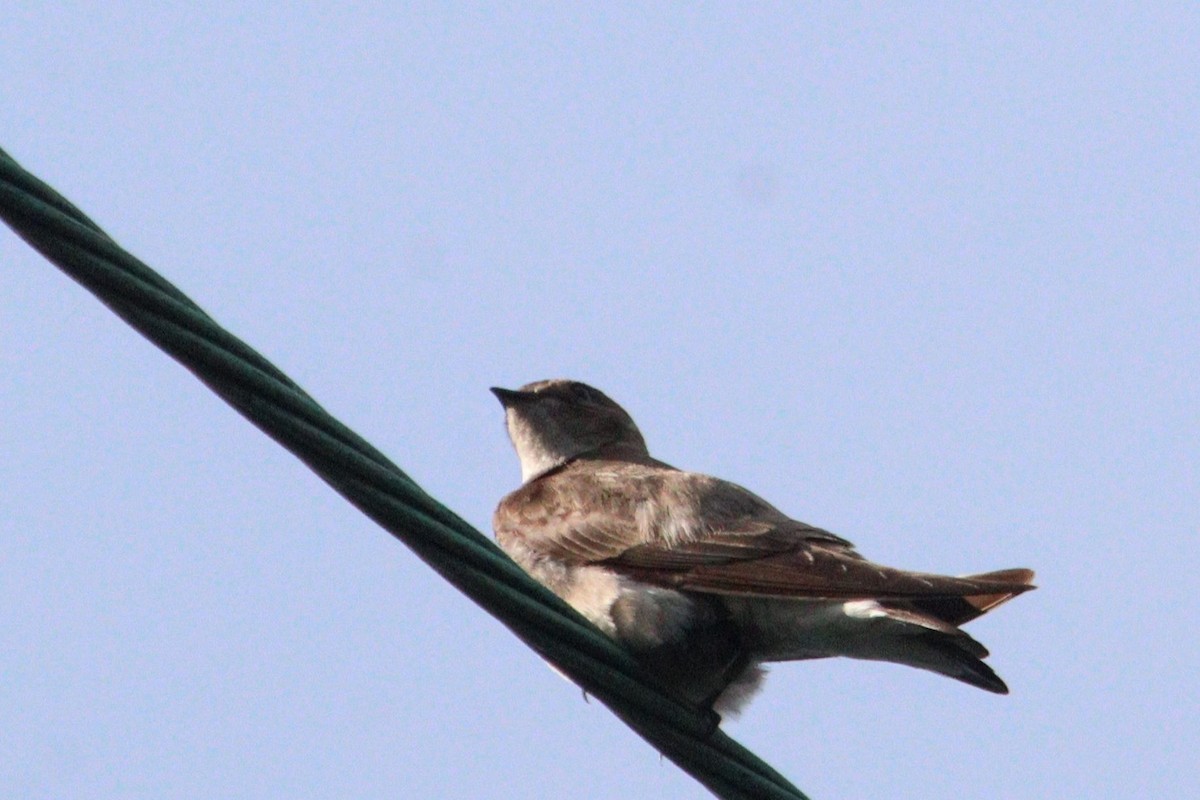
[[925, 277]]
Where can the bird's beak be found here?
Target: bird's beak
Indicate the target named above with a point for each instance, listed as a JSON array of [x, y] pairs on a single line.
[[511, 397]]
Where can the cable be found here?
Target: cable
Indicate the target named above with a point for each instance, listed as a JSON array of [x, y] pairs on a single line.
[[276, 405]]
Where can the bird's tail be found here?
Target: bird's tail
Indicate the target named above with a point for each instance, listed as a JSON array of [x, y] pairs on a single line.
[[914, 630], [917, 639], [926, 633]]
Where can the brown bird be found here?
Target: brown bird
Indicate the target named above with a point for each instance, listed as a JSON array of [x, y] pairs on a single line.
[[704, 581]]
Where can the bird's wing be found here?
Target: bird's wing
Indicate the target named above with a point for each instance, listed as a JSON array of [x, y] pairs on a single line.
[[819, 571], [597, 511], [697, 533]]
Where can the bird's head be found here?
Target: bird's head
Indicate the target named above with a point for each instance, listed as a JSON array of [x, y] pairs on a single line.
[[555, 421]]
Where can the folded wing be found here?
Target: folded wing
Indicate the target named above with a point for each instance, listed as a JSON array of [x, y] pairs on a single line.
[[696, 533]]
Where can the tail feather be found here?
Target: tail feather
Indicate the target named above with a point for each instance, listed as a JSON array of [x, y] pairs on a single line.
[[917, 631], [960, 665], [907, 636]]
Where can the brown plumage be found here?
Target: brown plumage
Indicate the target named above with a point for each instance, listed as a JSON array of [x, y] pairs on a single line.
[[703, 579]]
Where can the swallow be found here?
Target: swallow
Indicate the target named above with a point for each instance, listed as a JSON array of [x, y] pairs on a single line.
[[703, 581]]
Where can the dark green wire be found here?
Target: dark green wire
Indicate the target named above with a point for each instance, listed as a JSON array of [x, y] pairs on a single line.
[[381, 490]]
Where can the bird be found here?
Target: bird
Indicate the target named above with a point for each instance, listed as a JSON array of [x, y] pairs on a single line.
[[703, 581]]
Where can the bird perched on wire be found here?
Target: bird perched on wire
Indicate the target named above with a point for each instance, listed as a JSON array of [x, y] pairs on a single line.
[[704, 581]]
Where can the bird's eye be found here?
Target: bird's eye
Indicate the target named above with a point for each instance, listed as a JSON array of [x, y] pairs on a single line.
[[582, 392]]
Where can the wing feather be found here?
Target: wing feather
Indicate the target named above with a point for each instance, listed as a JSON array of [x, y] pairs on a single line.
[[697, 533]]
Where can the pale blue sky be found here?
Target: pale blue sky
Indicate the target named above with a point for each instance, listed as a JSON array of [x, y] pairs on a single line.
[[926, 277]]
